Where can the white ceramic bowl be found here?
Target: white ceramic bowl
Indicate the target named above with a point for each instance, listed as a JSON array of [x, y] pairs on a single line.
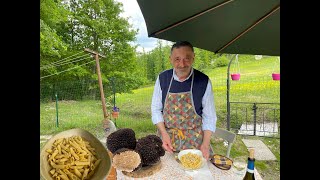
[[186, 151], [194, 151]]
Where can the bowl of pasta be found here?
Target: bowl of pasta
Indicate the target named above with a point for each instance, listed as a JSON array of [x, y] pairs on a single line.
[[191, 159], [74, 154]]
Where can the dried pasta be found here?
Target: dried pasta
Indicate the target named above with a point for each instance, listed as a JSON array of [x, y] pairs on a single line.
[[72, 158], [191, 161]]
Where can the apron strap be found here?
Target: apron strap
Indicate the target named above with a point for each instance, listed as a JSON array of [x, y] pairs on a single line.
[[192, 77], [192, 83], [165, 100], [180, 134]]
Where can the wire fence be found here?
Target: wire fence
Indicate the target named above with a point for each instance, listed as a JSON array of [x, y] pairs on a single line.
[[65, 105]]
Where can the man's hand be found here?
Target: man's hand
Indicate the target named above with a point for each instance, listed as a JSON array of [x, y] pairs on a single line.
[[204, 148], [166, 142]]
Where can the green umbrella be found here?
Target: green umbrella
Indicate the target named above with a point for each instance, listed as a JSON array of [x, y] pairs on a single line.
[[220, 26]]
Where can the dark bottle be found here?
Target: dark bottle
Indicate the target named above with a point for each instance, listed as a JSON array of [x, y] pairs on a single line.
[[250, 168]]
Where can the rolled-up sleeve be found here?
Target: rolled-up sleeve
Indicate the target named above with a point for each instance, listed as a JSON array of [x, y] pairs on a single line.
[[156, 104], [209, 117]]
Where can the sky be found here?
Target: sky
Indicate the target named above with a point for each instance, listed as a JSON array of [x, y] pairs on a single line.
[[132, 11]]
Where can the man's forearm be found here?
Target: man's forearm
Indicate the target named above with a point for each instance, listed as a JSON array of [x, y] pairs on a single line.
[[206, 137], [161, 128]]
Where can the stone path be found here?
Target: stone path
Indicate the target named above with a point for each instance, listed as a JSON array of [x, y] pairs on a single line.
[[261, 151], [266, 129]]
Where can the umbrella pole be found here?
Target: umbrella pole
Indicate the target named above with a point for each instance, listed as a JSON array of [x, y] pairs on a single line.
[[228, 92]]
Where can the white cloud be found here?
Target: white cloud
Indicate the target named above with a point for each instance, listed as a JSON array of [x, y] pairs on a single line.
[[133, 13]]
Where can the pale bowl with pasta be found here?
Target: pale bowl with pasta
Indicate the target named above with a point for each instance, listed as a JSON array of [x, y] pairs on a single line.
[[74, 154], [191, 159]]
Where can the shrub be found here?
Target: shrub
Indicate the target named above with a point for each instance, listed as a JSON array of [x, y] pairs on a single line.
[[221, 61]]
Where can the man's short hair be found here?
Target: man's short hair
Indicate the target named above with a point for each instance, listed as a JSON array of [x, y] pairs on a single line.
[[181, 43]]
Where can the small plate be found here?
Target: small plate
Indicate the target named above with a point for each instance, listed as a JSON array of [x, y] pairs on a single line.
[[221, 162], [194, 151]]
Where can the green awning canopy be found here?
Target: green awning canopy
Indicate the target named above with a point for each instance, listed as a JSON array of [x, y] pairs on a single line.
[[220, 26]]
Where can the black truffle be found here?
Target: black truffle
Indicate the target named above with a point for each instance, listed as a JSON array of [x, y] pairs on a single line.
[[158, 141], [122, 138], [150, 149]]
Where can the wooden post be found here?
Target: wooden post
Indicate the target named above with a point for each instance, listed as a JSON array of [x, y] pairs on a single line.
[[108, 125], [104, 108]]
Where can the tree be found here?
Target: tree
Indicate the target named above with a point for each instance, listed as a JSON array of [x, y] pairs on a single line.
[[97, 25], [52, 45]]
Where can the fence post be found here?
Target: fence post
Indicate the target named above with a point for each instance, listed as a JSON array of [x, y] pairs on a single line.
[[228, 92], [254, 108], [57, 121], [114, 91]]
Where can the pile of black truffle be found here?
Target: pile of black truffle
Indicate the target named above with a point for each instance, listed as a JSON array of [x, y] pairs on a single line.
[[130, 154]]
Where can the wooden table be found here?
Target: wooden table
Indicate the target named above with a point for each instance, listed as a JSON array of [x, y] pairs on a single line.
[[170, 170]]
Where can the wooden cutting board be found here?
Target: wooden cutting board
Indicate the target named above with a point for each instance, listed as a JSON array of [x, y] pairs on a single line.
[[113, 173], [144, 171]]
